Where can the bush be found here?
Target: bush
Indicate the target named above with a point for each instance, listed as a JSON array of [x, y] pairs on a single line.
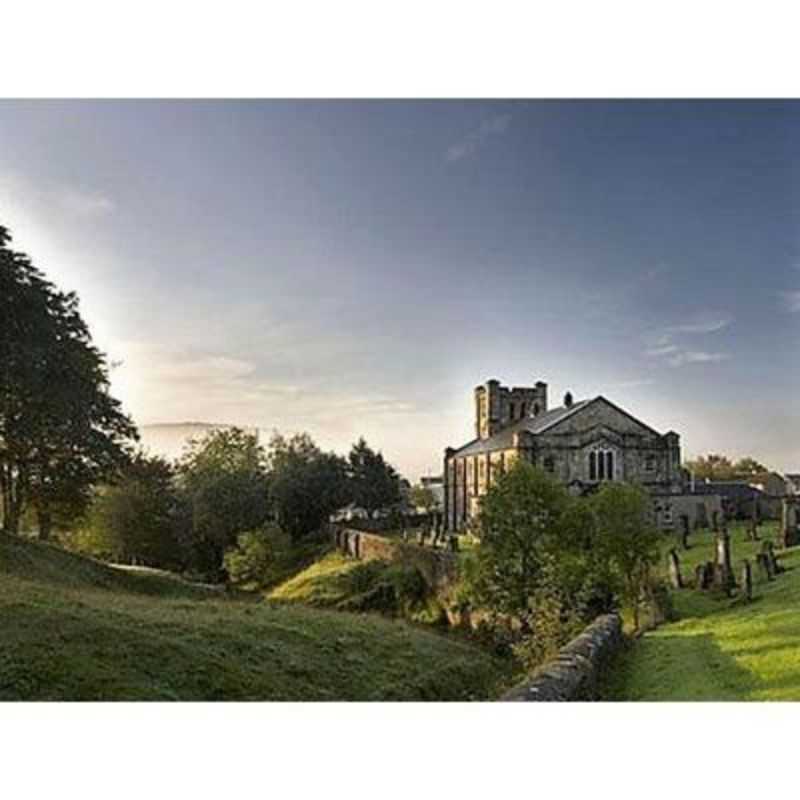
[[396, 589], [250, 560]]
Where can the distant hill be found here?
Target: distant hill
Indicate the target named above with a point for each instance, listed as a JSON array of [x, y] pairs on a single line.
[[169, 439]]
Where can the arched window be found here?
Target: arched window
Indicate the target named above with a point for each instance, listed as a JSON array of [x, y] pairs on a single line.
[[601, 465]]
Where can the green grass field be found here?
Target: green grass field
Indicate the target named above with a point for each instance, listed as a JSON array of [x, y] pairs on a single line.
[[75, 629], [720, 648], [323, 584]]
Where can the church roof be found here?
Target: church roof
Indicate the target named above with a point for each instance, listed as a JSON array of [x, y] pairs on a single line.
[[504, 439]]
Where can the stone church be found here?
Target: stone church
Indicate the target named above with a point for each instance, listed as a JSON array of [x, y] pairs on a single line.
[[582, 443]]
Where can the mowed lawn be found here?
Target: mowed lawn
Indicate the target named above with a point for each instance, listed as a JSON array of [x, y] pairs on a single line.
[[720, 648], [75, 629]]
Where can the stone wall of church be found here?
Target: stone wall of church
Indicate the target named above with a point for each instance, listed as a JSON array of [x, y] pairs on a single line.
[[646, 461]]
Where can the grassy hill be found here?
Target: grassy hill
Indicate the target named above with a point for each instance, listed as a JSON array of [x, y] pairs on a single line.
[[75, 629], [721, 648]]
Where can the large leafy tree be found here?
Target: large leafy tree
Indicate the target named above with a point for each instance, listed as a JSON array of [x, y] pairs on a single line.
[[519, 525], [61, 431], [626, 537], [223, 486], [374, 483], [136, 520], [306, 485], [717, 467]]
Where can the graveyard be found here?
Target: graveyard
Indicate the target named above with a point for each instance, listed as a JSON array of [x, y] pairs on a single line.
[[722, 644]]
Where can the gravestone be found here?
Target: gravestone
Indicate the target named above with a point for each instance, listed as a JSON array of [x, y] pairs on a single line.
[[704, 575], [769, 550], [675, 569], [765, 566], [788, 534], [723, 571], [685, 531], [747, 581]]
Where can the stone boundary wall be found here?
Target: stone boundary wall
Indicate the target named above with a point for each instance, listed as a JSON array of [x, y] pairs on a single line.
[[439, 567], [573, 674]]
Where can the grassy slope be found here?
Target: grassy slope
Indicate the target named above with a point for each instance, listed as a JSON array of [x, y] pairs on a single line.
[[324, 583], [74, 629], [721, 649]]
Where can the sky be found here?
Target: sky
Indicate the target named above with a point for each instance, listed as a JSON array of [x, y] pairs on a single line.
[[356, 268]]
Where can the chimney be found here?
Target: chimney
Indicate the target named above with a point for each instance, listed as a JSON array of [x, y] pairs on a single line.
[[479, 411], [568, 400], [540, 390]]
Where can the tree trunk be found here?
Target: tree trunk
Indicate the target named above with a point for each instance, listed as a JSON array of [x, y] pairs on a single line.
[[45, 524]]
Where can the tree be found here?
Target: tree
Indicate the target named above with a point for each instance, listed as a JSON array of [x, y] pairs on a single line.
[[748, 467], [223, 484], [626, 537], [251, 558], [716, 467], [713, 467], [306, 485], [60, 429], [374, 483], [136, 519], [518, 526]]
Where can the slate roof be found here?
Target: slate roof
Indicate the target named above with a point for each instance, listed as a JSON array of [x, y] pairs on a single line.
[[740, 490], [504, 438]]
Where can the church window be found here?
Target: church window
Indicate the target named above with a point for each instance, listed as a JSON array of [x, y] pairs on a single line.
[[601, 465], [650, 462], [512, 412], [550, 464]]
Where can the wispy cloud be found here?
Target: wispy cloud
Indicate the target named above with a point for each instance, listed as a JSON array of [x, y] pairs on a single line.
[[706, 322], [683, 357], [159, 383], [494, 126], [662, 350], [668, 344]]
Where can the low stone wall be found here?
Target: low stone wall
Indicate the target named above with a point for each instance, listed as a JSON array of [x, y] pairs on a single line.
[[437, 566], [573, 674]]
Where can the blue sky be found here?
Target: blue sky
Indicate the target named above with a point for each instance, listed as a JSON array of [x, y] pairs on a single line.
[[354, 268]]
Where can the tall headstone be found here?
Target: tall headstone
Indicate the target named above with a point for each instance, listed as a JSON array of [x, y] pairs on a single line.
[[788, 534], [704, 575], [675, 570], [723, 571], [765, 566], [685, 531], [747, 581]]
